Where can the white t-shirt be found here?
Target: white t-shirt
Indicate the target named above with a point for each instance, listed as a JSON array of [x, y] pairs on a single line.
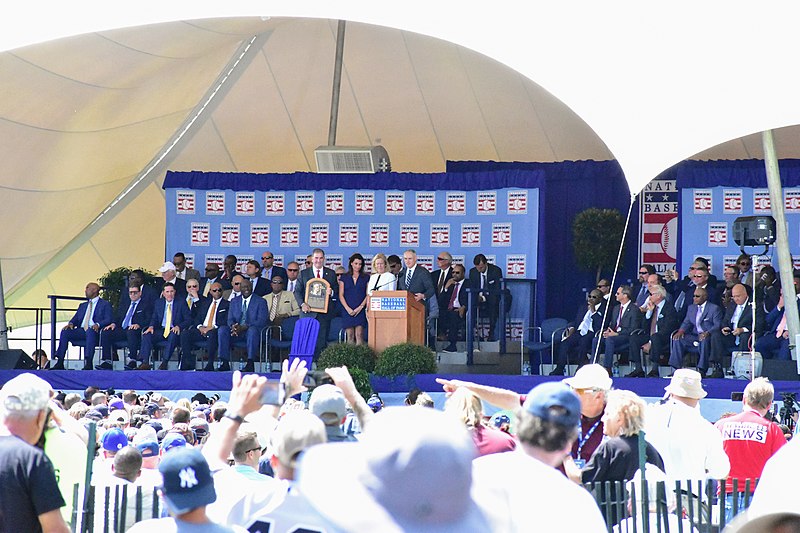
[[520, 493]]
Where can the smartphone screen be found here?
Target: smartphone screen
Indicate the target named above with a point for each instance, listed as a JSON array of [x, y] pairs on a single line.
[[274, 393]]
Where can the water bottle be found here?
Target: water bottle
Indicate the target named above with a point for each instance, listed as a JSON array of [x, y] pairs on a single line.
[[615, 369], [526, 368]]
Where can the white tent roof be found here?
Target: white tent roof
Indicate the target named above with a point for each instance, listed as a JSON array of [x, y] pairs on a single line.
[[87, 117]]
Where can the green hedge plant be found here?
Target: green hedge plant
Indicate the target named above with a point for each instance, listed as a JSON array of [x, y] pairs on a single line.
[[349, 355], [406, 360]]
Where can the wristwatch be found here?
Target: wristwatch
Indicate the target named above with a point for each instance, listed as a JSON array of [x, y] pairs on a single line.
[[235, 417]]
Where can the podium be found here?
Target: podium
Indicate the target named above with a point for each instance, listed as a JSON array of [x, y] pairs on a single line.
[[395, 317]]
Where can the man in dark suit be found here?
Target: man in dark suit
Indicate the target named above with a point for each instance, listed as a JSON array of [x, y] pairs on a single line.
[[621, 322], [453, 310], [317, 270], [85, 325], [775, 342], [229, 268], [210, 319], [642, 291], [269, 270], [737, 327], [579, 334], [247, 317], [182, 270], [170, 317], [486, 278], [213, 275], [131, 320], [768, 289], [703, 319], [169, 275], [659, 321], [442, 275], [698, 277], [253, 273], [149, 294]]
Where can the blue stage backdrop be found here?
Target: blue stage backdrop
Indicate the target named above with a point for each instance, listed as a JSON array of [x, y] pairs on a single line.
[[210, 215]]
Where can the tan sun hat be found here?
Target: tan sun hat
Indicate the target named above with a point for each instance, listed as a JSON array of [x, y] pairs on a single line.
[[687, 383]]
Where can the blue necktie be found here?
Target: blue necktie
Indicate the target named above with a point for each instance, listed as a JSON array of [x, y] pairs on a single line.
[[129, 316], [243, 320], [408, 278]]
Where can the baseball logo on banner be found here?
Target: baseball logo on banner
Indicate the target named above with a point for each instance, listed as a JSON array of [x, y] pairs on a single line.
[[189, 260], [378, 235], [425, 261], [229, 235], [200, 233], [319, 235], [517, 202], [216, 259], [501, 234], [426, 204], [761, 202], [365, 203], [409, 235], [456, 203], [718, 234], [395, 203], [334, 203], [333, 260], [290, 235], [348, 234], [792, 200], [729, 261], [215, 203], [440, 235], [458, 260], [487, 203], [471, 234], [275, 204], [796, 263], [514, 329], [732, 201], [245, 204], [241, 263], [304, 204], [702, 201], [184, 202], [277, 260], [367, 262], [259, 235], [515, 266]]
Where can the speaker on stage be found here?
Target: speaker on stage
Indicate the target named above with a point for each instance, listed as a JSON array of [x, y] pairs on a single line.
[[16, 359]]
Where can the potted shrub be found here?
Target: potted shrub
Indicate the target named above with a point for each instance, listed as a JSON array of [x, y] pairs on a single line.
[[350, 355]]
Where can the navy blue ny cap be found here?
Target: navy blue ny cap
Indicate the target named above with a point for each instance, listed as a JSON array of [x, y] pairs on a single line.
[[187, 480], [554, 402]]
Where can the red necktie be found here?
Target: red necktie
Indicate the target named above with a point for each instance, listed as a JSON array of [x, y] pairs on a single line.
[[619, 319], [453, 297]]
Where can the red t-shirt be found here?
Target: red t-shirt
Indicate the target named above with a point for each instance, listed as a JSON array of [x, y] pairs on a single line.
[[489, 440], [749, 440]]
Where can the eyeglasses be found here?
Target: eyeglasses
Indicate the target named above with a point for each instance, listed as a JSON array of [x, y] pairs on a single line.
[[292, 269], [745, 263], [253, 450], [592, 297], [590, 390], [308, 262], [193, 286], [266, 257], [236, 283], [603, 286], [277, 282], [698, 276], [215, 290], [697, 296], [441, 259], [134, 292], [643, 273]]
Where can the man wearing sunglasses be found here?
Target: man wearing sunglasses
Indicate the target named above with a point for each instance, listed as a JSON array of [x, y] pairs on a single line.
[[745, 264], [269, 270], [210, 317], [696, 333], [644, 272], [292, 272], [577, 341], [131, 320]]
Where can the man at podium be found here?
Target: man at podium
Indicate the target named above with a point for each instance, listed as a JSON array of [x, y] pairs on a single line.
[[415, 279]]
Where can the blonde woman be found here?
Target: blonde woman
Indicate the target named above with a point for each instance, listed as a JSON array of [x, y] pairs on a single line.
[[466, 407], [381, 279]]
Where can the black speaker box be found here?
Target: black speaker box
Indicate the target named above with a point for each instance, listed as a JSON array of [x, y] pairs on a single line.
[[16, 359]]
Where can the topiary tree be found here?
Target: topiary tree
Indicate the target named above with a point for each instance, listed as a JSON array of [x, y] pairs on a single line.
[[361, 381], [596, 235], [349, 355], [114, 281], [406, 360]]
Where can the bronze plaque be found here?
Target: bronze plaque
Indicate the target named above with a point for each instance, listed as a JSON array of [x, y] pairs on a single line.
[[317, 295]]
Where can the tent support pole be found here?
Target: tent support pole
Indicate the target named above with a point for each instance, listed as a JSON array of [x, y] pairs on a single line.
[[337, 82], [782, 238], [3, 323]]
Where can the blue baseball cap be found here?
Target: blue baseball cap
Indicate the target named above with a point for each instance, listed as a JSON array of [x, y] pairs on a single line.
[[554, 402], [148, 448], [173, 440], [114, 440], [187, 482]]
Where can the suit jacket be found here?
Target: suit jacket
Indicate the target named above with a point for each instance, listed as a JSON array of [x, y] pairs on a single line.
[[146, 303], [667, 320], [180, 287], [226, 284], [640, 296], [746, 319], [181, 316], [257, 313], [287, 304], [420, 282], [774, 318], [191, 273], [141, 315], [220, 315], [714, 297], [300, 290], [710, 320], [102, 314], [260, 286], [276, 271], [631, 319], [444, 299], [493, 277]]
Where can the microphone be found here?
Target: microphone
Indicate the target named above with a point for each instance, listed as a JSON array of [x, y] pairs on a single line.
[[384, 284]]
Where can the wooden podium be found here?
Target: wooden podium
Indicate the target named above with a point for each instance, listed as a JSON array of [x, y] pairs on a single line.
[[395, 317]]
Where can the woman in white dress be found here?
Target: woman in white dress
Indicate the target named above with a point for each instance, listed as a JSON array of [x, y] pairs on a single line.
[[381, 279]]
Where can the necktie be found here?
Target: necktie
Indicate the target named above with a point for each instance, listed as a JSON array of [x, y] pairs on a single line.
[[781, 325], [408, 278], [698, 317], [207, 288], [168, 320], [291, 286], [189, 302], [654, 321], [619, 318], [126, 323], [483, 281], [88, 316], [453, 296], [319, 273], [441, 281], [212, 315], [679, 301], [273, 308], [243, 320]]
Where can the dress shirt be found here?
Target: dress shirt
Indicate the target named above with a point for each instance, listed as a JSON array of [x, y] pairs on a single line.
[[211, 307], [91, 307], [456, 289], [586, 323]]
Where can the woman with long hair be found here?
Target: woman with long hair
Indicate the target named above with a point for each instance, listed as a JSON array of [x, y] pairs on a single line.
[[353, 297]]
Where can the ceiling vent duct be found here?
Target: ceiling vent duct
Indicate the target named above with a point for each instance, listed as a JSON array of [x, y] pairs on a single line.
[[352, 159]]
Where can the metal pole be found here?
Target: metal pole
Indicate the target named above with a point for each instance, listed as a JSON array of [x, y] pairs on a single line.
[[337, 82], [781, 239], [3, 324]]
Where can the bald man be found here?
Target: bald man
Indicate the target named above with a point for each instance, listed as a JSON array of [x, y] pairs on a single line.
[[91, 316]]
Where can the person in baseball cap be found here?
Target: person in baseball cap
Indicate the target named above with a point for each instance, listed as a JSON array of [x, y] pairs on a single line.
[[591, 383], [295, 432], [172, 441], [592, 376], [328, 403], [113, 441]]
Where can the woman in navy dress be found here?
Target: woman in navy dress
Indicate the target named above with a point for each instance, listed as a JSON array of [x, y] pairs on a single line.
[[353, 297]]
